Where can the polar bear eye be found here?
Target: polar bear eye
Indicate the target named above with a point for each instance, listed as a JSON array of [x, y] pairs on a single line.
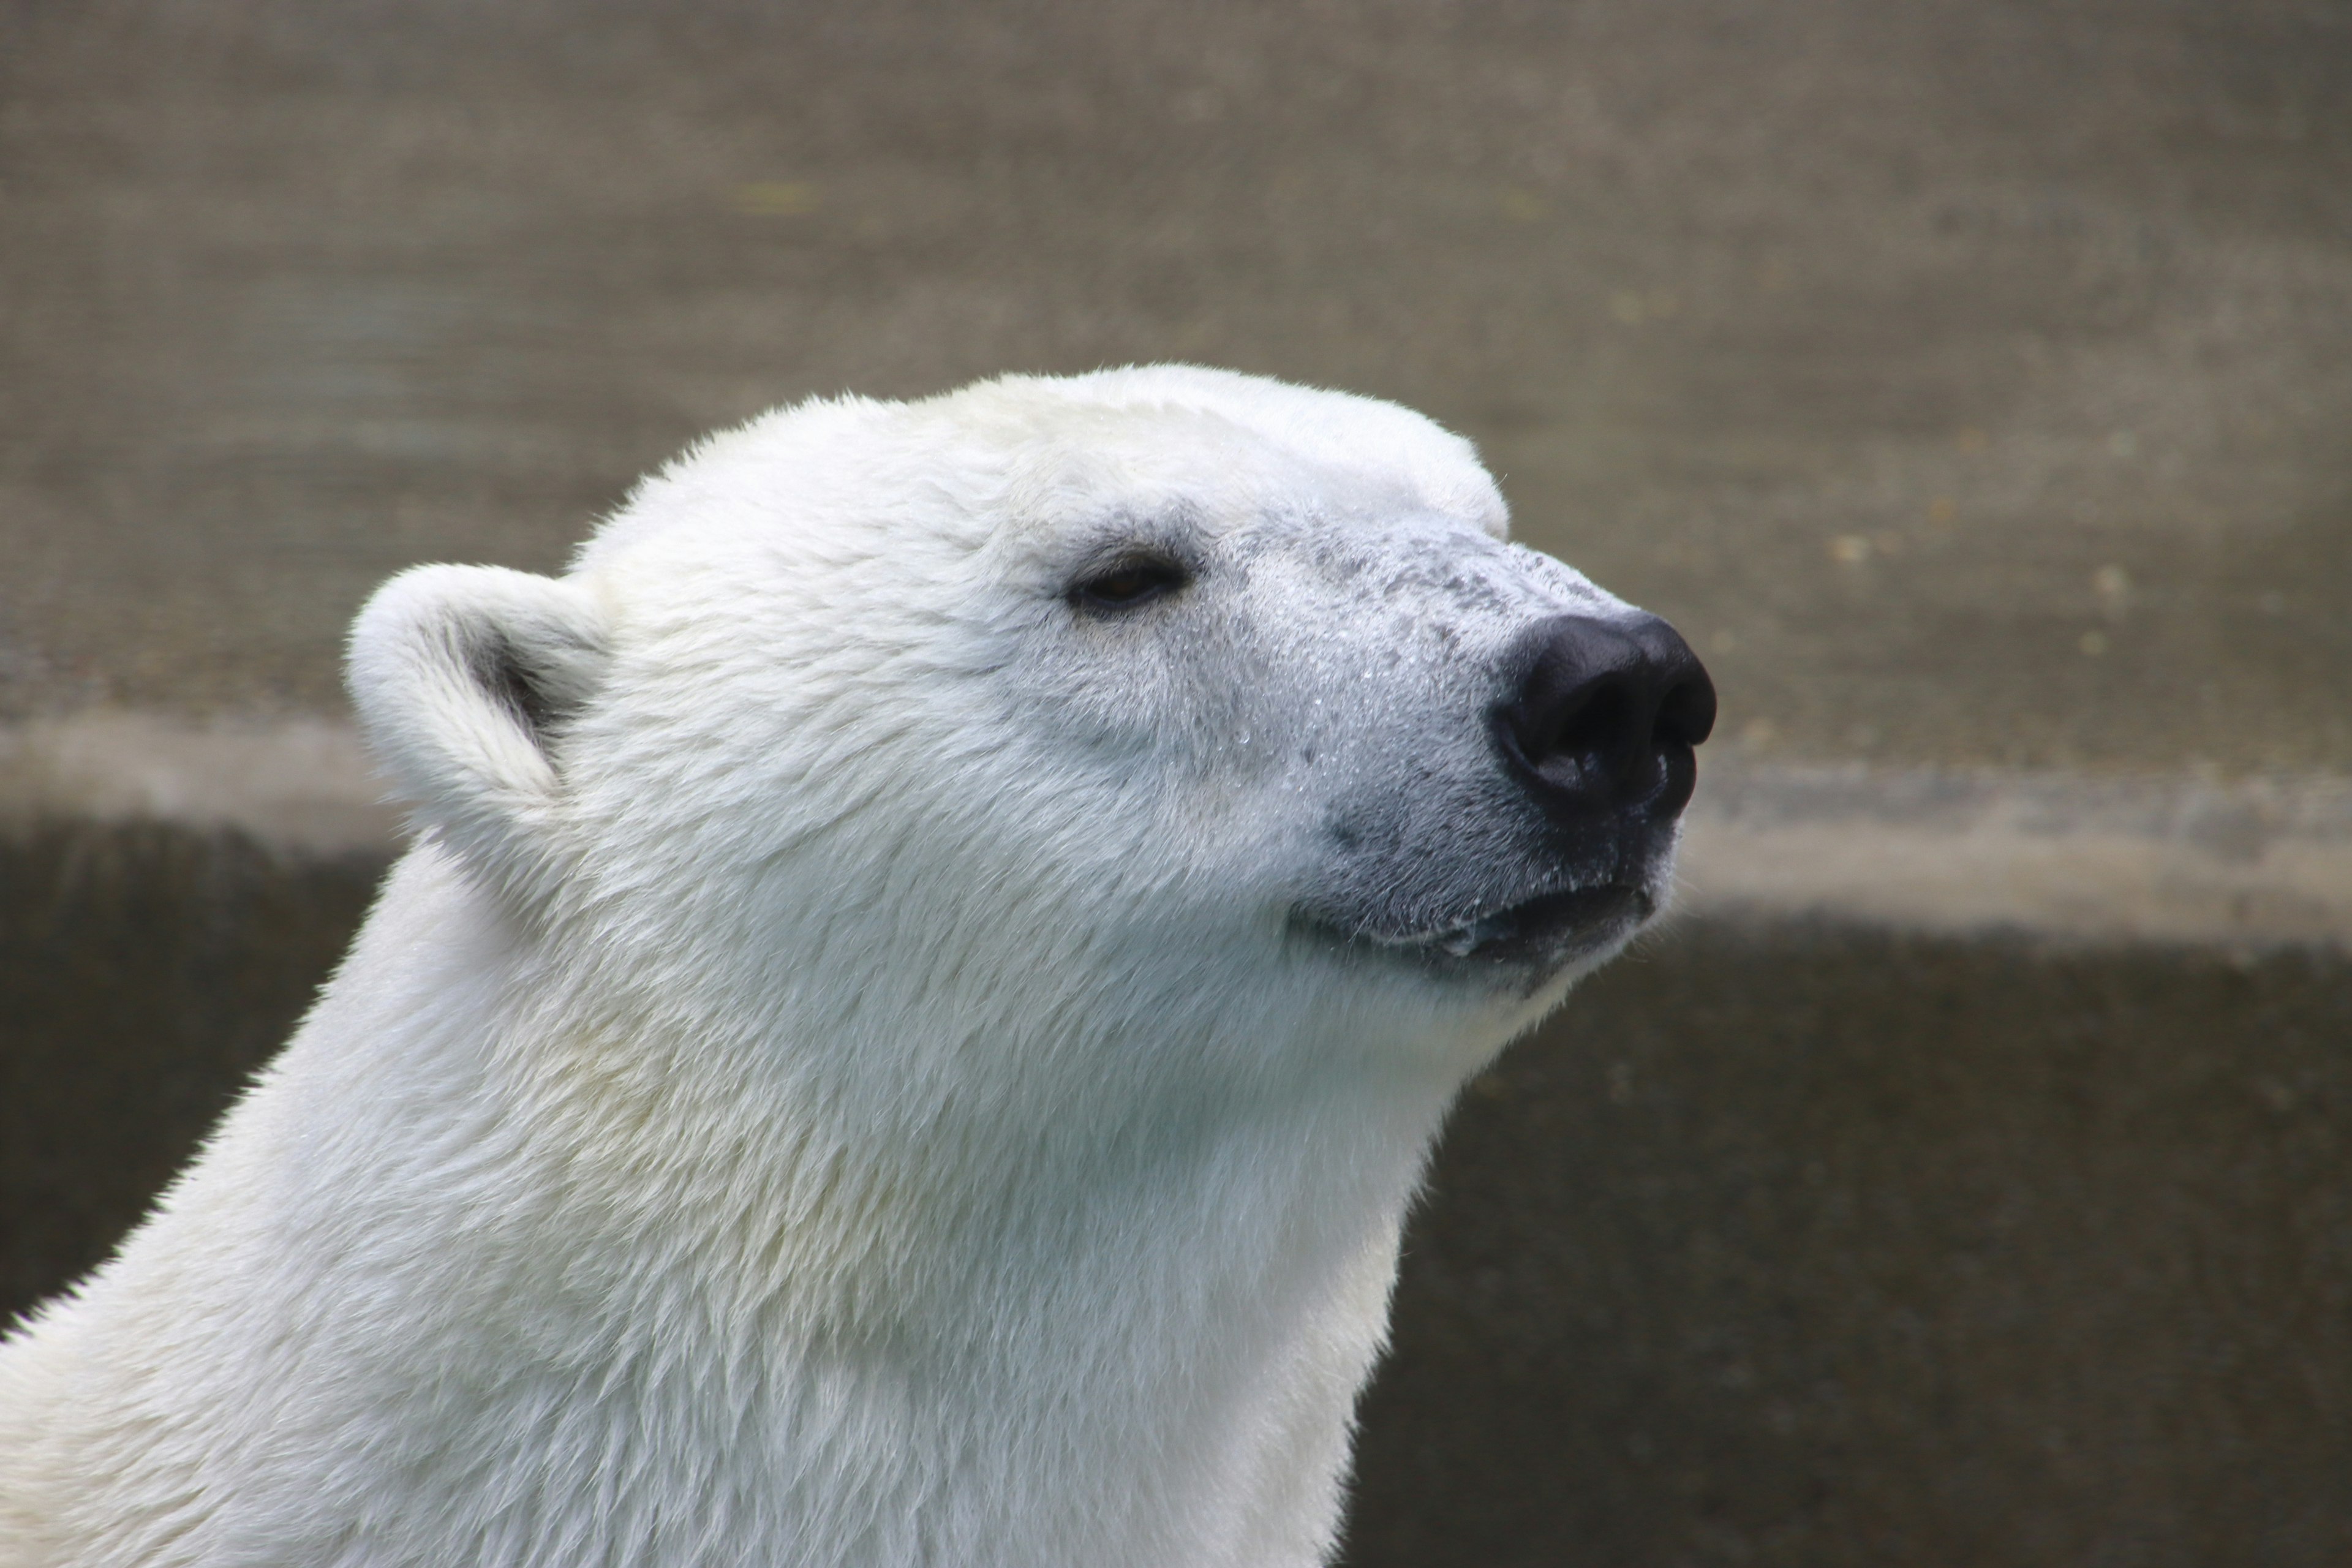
[[1128, 583]]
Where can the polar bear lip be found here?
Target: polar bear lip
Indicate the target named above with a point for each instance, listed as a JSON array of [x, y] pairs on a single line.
[[1548, 928], [1544, 931]]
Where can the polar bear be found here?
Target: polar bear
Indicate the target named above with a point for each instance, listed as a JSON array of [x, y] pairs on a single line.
[[930, 963]]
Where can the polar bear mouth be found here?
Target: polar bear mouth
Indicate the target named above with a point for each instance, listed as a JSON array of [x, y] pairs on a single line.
[[1543, 931], [1554, 926]]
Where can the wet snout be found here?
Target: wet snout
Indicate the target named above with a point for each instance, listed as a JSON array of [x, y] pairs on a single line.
[[1600, 718]]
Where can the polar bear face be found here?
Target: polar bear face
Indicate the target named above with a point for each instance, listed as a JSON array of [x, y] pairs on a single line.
[[937, 951], [1177, 701]]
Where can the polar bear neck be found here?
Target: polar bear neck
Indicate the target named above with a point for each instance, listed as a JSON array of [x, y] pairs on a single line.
[[847, 1171], [1054, 1342]]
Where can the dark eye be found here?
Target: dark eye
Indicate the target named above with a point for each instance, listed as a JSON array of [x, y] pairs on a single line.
[[1128, 583]]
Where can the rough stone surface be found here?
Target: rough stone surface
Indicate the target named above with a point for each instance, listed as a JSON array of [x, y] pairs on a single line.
[[1968, 377]]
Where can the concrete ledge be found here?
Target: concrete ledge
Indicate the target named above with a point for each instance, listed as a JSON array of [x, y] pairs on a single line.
[[2261, 862], [299, 785]]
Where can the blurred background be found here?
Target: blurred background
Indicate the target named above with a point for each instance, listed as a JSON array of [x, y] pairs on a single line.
[[1962, 1178]]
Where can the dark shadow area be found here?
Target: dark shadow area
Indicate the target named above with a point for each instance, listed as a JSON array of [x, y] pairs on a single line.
[[145, 971], [1798, 1244], [1823, 1247]]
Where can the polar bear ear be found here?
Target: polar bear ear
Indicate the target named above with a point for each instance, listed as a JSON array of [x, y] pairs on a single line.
[[463, 677]]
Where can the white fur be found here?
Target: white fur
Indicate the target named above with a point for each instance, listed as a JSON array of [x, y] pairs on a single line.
[[843, 1089]]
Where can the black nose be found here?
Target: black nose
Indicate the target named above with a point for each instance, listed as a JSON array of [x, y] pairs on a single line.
[[1604, 715]]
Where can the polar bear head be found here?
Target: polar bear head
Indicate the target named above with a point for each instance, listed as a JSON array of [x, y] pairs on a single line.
[[1162, 703]]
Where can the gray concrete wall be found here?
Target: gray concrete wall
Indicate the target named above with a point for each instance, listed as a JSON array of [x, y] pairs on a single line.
[[1962, 1180], [1904, 349], [1809, 1245]]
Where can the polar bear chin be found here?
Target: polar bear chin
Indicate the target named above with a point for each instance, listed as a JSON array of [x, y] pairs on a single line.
[[932, 960]]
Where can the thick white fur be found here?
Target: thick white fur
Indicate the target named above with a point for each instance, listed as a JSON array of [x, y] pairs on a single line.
[[838, 1090]]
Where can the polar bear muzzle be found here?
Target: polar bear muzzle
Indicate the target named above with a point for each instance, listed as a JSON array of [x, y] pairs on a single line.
[[1566, 848]]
